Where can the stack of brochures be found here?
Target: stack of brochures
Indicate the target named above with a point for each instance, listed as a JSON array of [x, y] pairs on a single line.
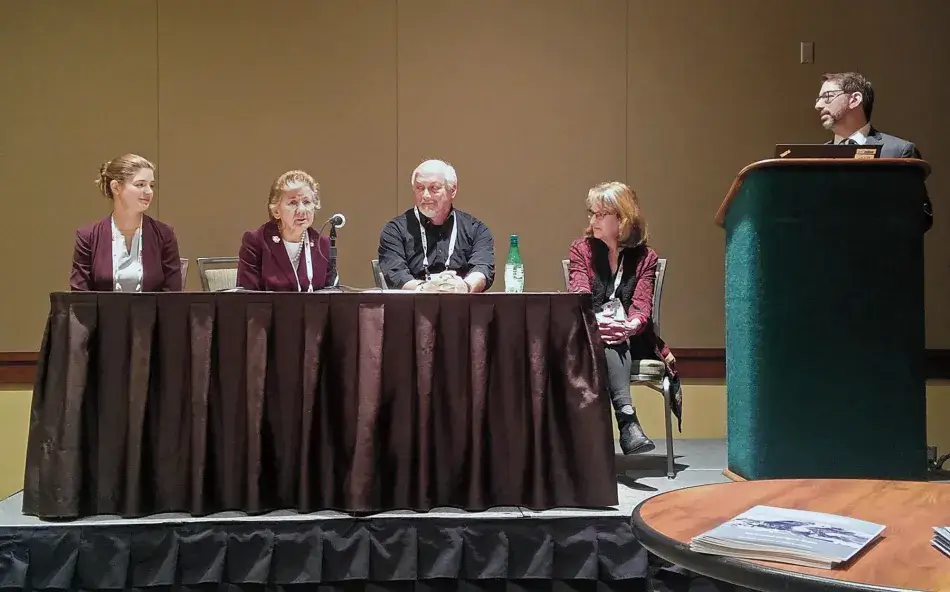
[[941, 539], [804, 538]]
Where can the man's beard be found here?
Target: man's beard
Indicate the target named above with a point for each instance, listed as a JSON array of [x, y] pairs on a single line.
[[828, 122], [429, 212]]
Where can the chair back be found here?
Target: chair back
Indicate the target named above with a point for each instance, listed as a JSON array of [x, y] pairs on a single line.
[[657, 287], [378, 276], [184, 272], [658, 293], [217, 273]]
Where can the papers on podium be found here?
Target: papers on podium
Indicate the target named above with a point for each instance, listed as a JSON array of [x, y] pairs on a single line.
[[812, 539], [941, 539]]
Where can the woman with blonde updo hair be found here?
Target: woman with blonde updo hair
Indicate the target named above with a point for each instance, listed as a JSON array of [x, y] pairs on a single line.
[[286, 254], [613, 263], [128, 251]]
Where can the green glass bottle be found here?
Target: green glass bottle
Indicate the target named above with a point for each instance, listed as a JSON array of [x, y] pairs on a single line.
[[514, 268]]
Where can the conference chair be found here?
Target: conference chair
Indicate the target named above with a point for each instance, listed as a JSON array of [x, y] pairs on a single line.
[[650, 373], [184, 272], [378, 276], [217, 273]]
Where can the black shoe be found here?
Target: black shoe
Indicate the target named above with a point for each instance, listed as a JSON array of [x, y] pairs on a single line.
[[632, 438]]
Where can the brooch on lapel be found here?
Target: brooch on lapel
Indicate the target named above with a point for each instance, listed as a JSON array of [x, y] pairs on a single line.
[[276, 238], [311, 244]]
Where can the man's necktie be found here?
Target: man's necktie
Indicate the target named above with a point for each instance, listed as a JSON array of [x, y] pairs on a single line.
[[849, 141]]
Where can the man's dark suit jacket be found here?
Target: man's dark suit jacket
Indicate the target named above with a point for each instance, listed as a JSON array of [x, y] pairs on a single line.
[[264, 265], [894, 147], [92, 258]]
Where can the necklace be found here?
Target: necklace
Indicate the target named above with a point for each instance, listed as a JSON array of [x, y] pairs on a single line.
[[296, 260]]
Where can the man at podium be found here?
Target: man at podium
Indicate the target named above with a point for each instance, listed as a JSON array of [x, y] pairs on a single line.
[[845, 103]]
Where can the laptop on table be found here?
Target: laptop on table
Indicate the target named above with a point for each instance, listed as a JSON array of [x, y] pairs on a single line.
[[866, 151]]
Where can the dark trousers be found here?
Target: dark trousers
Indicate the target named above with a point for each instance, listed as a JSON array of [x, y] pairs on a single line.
[[618, 379]]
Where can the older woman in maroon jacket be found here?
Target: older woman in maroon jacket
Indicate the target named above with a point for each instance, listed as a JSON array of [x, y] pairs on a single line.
[[286, 254], [614, 264], [127, 251]]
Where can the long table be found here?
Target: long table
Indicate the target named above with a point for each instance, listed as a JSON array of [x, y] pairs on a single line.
[[204, 402]]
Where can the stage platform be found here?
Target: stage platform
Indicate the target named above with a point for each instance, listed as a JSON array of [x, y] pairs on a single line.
[[443, 549]]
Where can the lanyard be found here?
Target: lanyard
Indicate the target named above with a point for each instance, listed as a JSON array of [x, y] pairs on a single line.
[[425, 242], [305, 245], [618, 276], [140, 271], [619, 313]]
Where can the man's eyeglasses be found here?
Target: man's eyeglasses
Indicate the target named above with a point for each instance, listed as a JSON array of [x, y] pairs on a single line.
[[827, 97]]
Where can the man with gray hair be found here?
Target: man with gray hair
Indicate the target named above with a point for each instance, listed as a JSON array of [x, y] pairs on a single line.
[[433, 246]]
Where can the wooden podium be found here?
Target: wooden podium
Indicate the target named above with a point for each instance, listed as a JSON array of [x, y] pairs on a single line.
[[824, 307]]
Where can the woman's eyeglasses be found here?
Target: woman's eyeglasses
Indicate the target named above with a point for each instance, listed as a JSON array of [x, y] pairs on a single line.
[[599, 215]]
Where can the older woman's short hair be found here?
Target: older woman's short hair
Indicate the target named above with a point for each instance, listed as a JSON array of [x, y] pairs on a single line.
[[291, 180], [618, 198], [439, 167]]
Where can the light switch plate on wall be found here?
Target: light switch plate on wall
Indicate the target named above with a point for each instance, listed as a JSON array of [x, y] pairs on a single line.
[[807, 52]]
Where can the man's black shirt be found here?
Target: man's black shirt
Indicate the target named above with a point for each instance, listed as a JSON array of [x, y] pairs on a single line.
[[400, 248]]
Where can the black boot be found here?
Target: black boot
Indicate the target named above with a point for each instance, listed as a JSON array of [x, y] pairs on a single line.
[[632, 438]]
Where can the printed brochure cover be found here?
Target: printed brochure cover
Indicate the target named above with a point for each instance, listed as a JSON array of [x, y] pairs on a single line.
[[941, 539], [790, 536]]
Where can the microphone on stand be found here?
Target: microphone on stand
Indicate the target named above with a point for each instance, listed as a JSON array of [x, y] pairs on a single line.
[[335, 221]]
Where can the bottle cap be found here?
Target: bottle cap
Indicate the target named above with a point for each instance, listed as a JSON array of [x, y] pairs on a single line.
[[514, 239]]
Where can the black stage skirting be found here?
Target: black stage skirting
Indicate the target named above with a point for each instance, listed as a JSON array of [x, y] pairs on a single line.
[[579, 553]]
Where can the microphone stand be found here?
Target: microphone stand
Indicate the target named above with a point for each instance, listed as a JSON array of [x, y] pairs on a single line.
[[332, 263]]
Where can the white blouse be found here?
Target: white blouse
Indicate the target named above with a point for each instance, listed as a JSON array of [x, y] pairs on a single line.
[[127, 270], [293, 252], [293, 248]]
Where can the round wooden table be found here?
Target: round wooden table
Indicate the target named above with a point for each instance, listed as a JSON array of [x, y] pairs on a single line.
[[903, 559]]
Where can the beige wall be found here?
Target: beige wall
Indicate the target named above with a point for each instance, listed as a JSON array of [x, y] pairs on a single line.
[[534, 101], [14, 427]]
